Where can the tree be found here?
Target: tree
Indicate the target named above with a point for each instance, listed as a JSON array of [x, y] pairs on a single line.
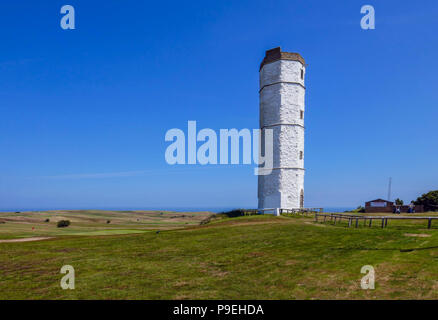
[[63, 223], [428, 200], [398, 202]]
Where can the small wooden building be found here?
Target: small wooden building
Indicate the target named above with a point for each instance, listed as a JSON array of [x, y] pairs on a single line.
[[380, 205]]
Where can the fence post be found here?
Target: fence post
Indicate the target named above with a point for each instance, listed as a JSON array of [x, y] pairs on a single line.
[[386, 222], [357, 222], [429, 223], [316, 217], [383, 222], [371, 221], [349, 222]]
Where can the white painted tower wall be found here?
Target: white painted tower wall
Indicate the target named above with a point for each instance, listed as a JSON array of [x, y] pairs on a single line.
[[282, 109]]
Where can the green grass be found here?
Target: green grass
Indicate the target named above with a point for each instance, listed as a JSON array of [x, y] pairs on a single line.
[[92, 222], [258, 257], [107, 232]]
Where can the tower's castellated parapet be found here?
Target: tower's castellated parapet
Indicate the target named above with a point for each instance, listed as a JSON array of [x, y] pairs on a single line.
[[282, 109]]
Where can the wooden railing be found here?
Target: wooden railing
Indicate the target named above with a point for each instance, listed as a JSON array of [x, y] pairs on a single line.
[[280, 211], [336, 217], [302, 211]]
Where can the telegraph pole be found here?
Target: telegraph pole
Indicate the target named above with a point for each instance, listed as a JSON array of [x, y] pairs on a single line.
[[389, 189]]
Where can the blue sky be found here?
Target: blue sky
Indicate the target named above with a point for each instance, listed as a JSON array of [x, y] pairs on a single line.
[[84, 112]]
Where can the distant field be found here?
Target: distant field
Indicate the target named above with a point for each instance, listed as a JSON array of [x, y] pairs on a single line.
[[257, 257], [92, 222]]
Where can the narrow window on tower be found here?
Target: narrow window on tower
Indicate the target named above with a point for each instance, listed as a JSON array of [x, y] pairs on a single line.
[[301, 114], [302, 74], [301, 155]]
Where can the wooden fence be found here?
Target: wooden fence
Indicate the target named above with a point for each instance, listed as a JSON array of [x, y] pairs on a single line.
[[336, 217], [302, 211]]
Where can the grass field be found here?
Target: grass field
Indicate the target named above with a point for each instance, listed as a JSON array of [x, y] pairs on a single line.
[[257, 257], [93, 222]]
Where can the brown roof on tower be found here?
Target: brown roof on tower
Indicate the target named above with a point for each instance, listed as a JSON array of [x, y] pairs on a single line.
[[275, 54]]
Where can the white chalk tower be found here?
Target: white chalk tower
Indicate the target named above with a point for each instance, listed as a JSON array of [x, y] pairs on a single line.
[[282, 93]]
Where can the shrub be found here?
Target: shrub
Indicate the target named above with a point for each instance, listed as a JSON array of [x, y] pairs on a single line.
[[359, 209], [108, 221], [238, 213], [229, 214], [47, 220], [63, 223], [428, 200]]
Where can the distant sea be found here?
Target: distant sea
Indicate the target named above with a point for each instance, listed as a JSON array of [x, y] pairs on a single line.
[[177, 209]]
